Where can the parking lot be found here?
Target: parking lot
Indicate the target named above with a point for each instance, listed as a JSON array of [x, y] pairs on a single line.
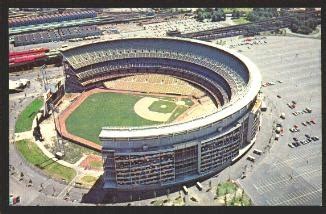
[[289, 176]]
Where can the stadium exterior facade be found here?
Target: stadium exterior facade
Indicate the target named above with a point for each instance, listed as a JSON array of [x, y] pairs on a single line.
[[141, 158]]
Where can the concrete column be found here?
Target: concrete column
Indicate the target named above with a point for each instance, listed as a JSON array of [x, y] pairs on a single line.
[[199, 156]]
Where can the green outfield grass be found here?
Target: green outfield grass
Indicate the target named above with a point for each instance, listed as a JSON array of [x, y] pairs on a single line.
[[35, 156], [104, 109], [114, 109], [25, 119], [188, 101], [158, 106], [177, 113]]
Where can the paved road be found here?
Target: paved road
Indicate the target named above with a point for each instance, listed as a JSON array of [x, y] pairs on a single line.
[[289, 176]]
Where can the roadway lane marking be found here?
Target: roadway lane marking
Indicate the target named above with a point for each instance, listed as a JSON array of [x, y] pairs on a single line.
[[255, 186], [296, 157], [287, 179], [289, 196], [298, 197]]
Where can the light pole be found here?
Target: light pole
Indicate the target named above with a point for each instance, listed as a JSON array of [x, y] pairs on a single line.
[[61, 147]]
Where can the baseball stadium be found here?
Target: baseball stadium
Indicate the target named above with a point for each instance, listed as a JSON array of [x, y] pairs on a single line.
[[162, 111]]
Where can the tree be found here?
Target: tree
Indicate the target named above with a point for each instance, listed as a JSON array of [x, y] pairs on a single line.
[[234, 197], [233, 13], [225, 200], [200, 17], [305, 30], [238, 14], [21, 176]]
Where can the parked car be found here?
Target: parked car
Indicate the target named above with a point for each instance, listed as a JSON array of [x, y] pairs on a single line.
[[279, 96], [308, 122], [291, 145], [295, 126], [296, 144], [307, 136], [282, 115], [303, 123], [294, 102], [312, 121], [308, 110], [295, 139]]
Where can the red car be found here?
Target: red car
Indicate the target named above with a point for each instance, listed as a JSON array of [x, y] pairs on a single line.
[[313, 121], [295, 126]]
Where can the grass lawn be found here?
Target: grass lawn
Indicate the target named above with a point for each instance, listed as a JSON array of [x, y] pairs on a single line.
[[162, 106], [25, 119], [96, 164], [35, 156], [104, 109], [241, 20], [245, 10], [74, 152], [157, 203], [88, 179], [224, 188]]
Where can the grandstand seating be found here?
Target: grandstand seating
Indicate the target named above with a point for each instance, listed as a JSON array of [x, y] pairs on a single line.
[[208, 66], [61, 34], [155, 83], [51, 18], [89, 58]]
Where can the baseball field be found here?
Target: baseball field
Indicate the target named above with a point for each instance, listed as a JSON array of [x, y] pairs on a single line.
[[118, 109]]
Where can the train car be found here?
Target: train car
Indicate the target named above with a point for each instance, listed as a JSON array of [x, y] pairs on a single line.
[[27, 58], [25, 62], [31, 51]]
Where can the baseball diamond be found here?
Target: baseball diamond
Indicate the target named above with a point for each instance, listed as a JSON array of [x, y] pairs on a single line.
[[161, 152]]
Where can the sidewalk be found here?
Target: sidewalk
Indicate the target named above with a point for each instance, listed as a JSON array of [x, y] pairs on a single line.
[[79, 170], [23, 135]]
